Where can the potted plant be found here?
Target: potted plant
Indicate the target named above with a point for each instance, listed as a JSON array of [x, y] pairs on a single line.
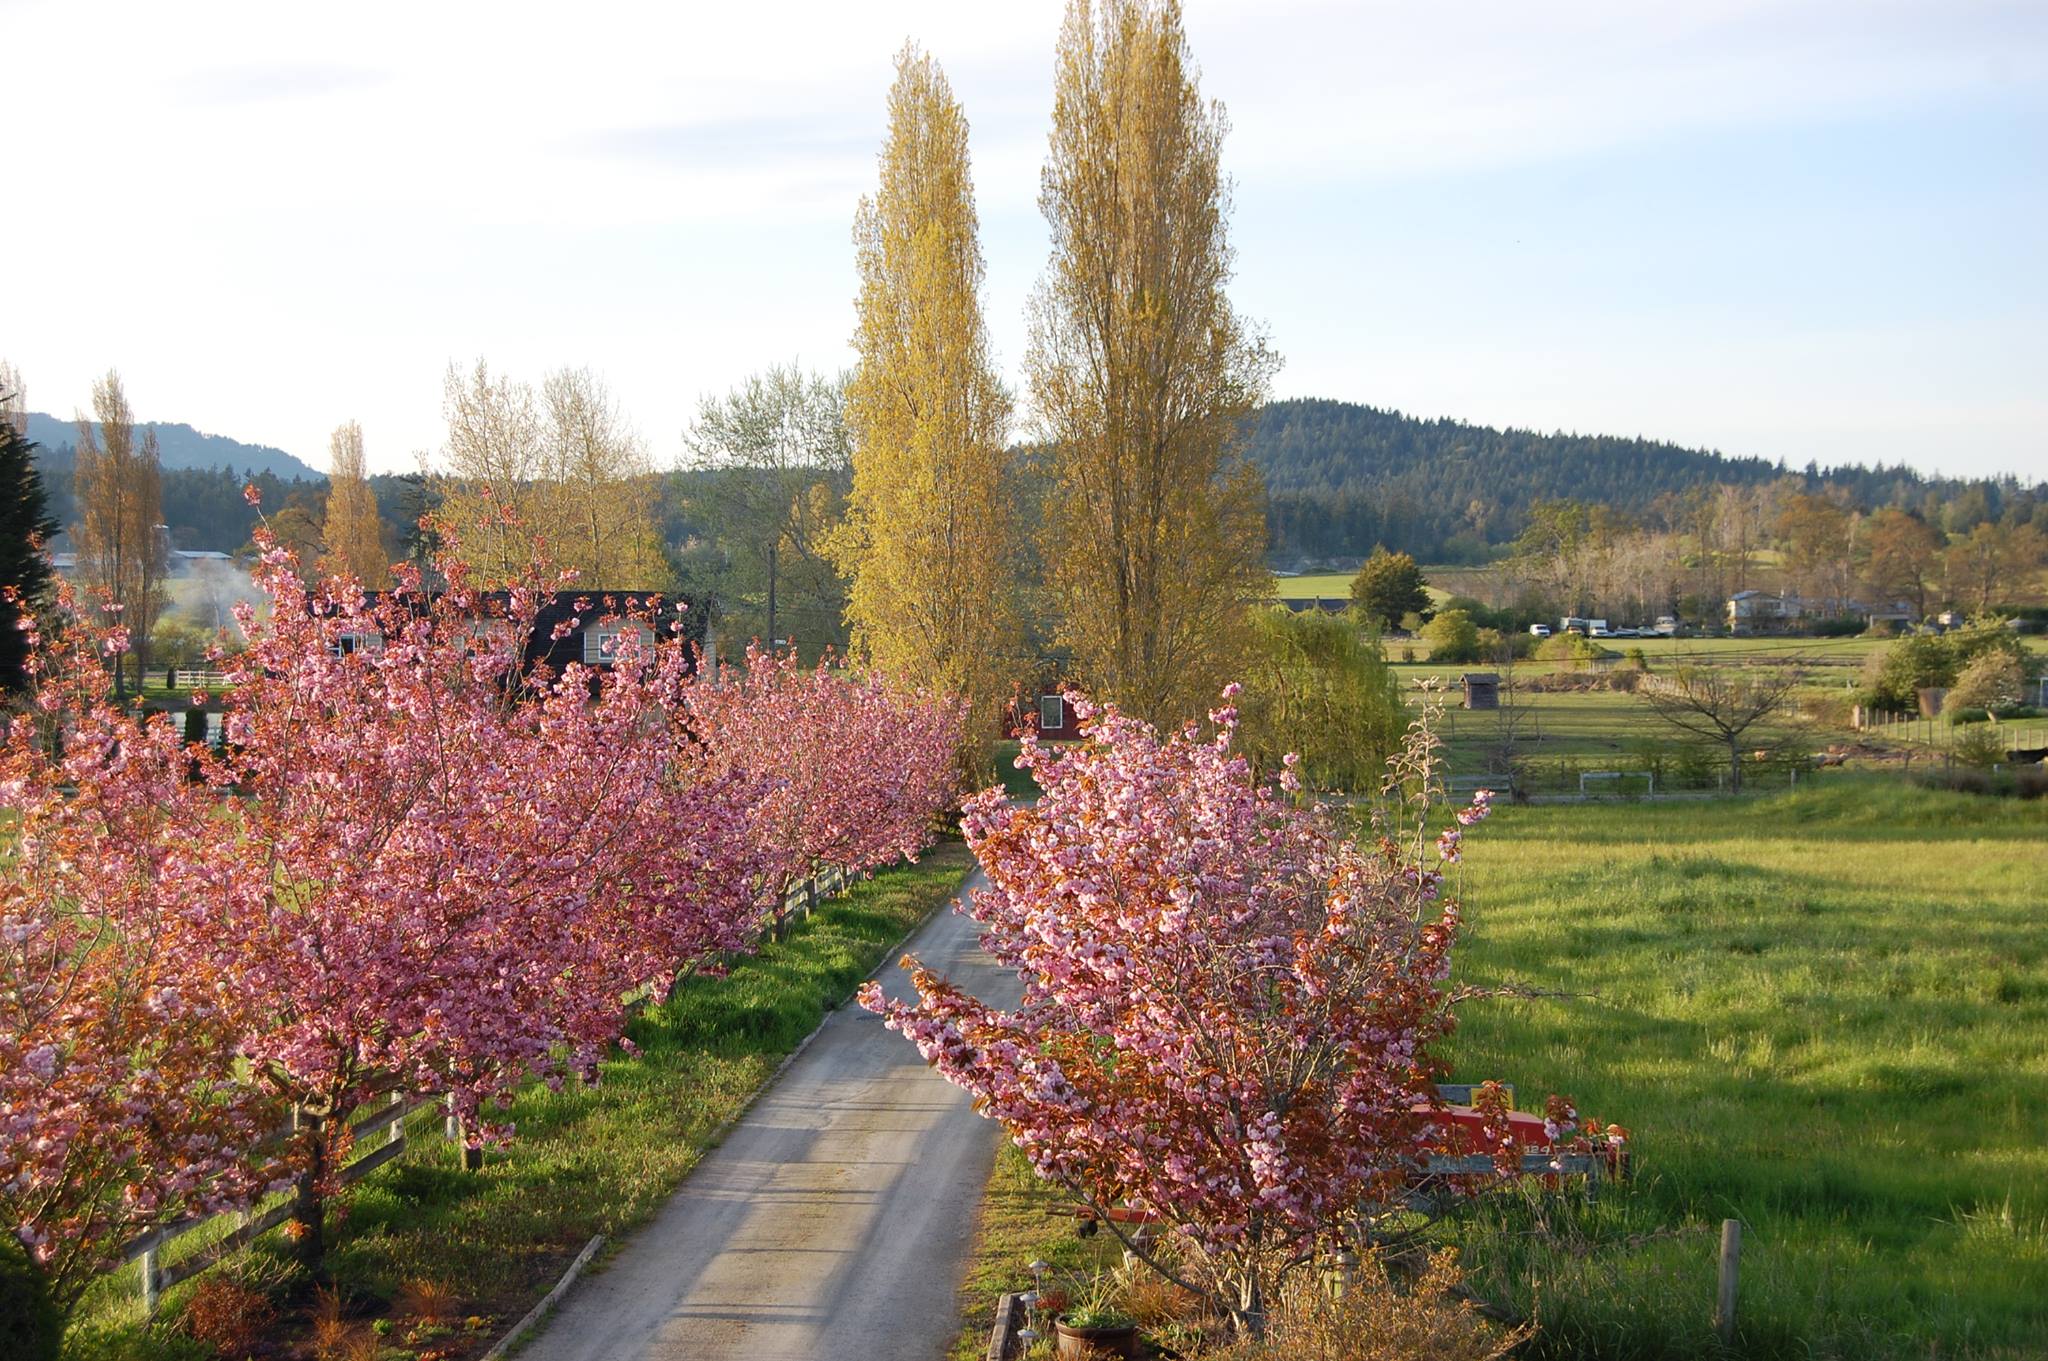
[[1096, 1327]]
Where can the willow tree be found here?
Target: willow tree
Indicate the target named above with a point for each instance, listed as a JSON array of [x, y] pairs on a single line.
[[1142, 373], [929, 541], [354, 535], [121, 540]]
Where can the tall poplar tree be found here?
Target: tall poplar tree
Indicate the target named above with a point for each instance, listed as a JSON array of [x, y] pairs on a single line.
[[120, 535], [930, 536], [354, 534], [1142, 373], [25, 523]]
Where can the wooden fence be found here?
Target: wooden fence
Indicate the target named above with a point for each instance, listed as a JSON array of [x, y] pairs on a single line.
[[147, 1249]]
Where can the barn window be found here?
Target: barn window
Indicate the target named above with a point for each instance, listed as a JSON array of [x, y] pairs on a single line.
[[1051, 713], [601, 641], [346, 643]]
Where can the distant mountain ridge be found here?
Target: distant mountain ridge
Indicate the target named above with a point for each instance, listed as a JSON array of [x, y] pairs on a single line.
[[182, 446], [1342, 478]]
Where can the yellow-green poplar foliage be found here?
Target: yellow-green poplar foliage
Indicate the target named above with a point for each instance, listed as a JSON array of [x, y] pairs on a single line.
[[1141, 372], [354, 535], [930, 540]]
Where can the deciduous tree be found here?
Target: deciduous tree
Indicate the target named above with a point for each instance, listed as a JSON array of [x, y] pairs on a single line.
[[1142, 373], [857, 771], [120, 536], [1904, 556], [1388, 588], [1724, 705], [119, 1110], [599, 487], [930, 538], [1227, 1007], [770, 464], [353, 534]]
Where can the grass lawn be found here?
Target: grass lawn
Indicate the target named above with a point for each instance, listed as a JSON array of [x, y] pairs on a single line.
[[587, 1160], [1311, 585], [1825, 1014], [1018, 1227]]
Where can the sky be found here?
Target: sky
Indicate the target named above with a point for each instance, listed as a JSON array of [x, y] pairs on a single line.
[[1809, 231]]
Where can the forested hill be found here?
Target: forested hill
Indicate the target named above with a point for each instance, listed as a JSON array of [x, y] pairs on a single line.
[[1342, 478], [181, 446]]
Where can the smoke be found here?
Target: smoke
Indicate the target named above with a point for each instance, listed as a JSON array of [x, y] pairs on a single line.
[[204, 596]]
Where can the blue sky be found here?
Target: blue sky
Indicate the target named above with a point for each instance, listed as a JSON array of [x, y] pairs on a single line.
[[1808, 231]]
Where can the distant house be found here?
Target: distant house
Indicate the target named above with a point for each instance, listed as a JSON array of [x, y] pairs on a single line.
[[590, 624], [1763, 612], [1482, 689], [1044, 709]]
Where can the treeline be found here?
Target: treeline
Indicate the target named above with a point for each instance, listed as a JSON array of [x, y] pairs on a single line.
[[1342, 479]]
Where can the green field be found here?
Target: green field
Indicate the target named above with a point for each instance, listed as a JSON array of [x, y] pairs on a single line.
[[1313, 585], [1825, 1014]]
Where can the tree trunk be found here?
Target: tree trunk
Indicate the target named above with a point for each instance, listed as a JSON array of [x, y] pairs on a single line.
[[1734, 765], [309, 1211], [1250, 1314]]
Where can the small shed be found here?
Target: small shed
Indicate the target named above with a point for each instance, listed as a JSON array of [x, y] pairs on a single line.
[[1482, 689]]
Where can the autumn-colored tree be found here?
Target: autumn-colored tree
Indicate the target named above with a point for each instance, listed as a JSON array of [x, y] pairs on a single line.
[[121, 540], [930, 537], [1995, 563], [1227, 1007], [598, 488], [353, 534], [1141, 372], [1903, 556], [1819, 538], [119, 1110]]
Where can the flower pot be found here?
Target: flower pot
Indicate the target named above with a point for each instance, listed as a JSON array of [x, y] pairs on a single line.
[[1098, 1342]]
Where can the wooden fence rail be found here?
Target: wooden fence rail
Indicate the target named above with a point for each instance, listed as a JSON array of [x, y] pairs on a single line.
[[147, 1249]]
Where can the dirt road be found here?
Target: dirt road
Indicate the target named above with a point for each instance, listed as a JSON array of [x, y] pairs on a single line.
[[833, 1222]]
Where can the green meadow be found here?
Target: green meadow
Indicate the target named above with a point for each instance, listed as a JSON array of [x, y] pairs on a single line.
[[1823, 1013]]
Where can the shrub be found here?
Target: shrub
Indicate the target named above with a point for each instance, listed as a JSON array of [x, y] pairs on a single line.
[[1573, 648], [1982, 746], [30, 1326], [1452, 637], [1992, 680], [1375, 1321], [229, 1316], [1847, 626]]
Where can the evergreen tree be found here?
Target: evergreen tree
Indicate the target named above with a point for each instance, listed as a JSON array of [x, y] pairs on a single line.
[[24, 569]]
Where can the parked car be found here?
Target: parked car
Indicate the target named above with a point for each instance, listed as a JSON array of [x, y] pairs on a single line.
[[1539, 630], [1666, 626]]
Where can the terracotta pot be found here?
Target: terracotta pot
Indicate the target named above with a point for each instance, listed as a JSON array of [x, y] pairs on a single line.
[[1098, 1342]]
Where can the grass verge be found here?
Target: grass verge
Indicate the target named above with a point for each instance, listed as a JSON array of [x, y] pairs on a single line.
[[1018, 1227], [586, 1160]]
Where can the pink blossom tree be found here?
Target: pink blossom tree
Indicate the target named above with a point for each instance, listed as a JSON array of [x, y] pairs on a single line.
[[1228, 1006], [858, 771], [118, 1107], [447, 870]]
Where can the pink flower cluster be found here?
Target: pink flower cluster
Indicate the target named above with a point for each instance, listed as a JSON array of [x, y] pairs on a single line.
[[1227, 1005], [858, 771], [419, 866]]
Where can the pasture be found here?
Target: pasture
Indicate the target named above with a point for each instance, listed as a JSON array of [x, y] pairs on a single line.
[[1824, 1013]]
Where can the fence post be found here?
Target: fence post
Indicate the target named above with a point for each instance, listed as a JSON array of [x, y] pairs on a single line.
[[1724, 1303], [152, 1276], [395, 1131], [810, 896]]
